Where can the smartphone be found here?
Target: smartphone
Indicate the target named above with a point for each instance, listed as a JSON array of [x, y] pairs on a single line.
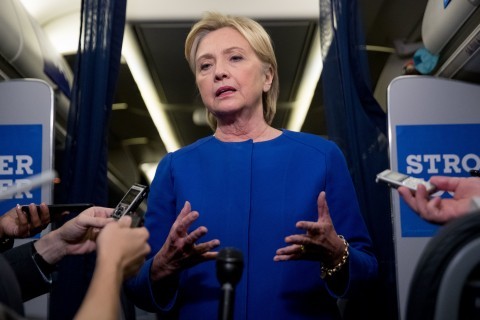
[[129, 204], [396, 179], [59, 210]]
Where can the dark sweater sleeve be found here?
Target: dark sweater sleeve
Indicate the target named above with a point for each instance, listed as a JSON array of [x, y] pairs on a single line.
[[32, 283], [10, 295]]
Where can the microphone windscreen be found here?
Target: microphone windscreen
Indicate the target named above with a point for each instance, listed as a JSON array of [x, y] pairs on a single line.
[[229, 265]]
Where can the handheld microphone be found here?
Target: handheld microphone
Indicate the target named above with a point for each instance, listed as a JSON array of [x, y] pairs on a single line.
[[229, 271]]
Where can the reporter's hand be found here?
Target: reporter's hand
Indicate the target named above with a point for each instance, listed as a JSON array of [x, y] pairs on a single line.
[[439, 210], [122, 247], [80, 233], [76, 236], [14, 223], [121, 253], [179, 250]]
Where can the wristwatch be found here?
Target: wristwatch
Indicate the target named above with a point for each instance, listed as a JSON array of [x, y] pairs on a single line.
[[46, 269]]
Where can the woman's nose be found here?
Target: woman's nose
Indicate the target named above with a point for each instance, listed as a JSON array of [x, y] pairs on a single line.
[[220, 72], [220, 75]]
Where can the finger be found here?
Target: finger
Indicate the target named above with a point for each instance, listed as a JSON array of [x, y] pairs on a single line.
[[290, 250], [23, 228], [312, 228], [421, 198], [207, 246], [87, 221], [408, 197], [293, 252], [125, 221], [44, 214], [187, 208], [210, 255], [195, 235], [285, 257], [100, 212], [445, 183], [22, 216], [432, 212], [298, 239], [421, 192], [182, 224], [34, 218], [322, 207]]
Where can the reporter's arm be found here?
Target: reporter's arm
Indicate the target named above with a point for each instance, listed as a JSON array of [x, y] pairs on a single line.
[[31, 280], [34, 262], [121, 252], [102, 299]]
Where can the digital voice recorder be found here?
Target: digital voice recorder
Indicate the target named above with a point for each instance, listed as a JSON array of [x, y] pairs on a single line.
[[129, 204]]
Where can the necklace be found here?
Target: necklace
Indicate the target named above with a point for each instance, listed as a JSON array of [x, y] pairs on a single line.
[[261, 134]]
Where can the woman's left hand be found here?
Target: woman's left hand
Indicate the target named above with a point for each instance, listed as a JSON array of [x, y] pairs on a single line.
[[320, 241]]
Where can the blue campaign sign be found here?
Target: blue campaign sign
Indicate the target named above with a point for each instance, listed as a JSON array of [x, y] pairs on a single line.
[[20, 158], [427, 150], [434, 125]]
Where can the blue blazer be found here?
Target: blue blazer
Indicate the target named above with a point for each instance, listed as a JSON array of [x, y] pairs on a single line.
[[250, 196]]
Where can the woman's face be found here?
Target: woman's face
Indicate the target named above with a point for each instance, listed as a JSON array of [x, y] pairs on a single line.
[[230, 76]]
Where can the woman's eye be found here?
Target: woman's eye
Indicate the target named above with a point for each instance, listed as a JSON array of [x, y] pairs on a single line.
[[204, 66], [236, 58]]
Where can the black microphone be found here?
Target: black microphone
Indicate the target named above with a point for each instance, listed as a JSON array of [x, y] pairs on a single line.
[[229, 272]]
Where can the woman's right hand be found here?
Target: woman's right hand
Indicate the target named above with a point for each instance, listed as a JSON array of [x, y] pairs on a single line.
[[180, 250]]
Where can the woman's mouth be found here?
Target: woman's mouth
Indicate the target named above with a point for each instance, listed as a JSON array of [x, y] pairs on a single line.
[[224, 90]]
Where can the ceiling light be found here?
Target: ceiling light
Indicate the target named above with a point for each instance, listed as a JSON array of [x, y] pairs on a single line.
[[64, 33], [119, 106], [308, 84], [149, 169], [141, 75]]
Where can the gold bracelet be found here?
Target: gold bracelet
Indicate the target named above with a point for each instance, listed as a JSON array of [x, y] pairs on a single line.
[[324, 271]]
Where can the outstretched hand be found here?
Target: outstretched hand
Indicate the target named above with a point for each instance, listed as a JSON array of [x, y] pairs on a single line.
[[320, 241], [76, 236], [81, 232], [437, 209], [180, 250]]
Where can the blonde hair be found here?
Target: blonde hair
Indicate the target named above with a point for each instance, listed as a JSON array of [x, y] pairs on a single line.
[[258, 39]]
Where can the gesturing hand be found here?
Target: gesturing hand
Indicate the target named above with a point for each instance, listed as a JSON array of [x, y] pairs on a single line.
[[320, 241], [179, 250]]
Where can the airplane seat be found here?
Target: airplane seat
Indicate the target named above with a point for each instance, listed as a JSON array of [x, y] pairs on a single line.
[[446, 282]]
